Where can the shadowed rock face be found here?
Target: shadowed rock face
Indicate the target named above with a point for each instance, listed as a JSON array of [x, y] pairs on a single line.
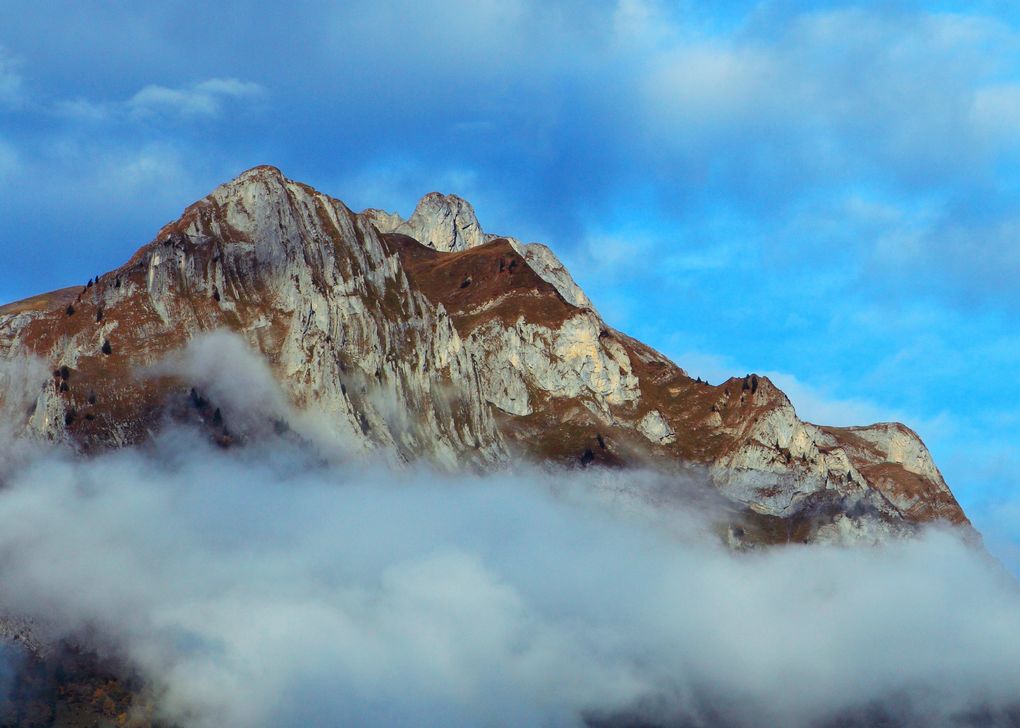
[[428, 338]]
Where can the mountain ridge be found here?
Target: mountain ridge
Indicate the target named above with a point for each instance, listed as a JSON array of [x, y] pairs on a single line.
[[488, 348]]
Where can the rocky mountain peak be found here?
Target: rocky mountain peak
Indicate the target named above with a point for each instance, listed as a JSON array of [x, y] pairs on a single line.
[[258, 172], [263, 177], [442, 222], [428, 338], [446, 223]]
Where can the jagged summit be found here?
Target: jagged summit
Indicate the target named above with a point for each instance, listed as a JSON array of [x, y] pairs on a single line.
[[442, 222], [448, 223], [430, 338], [445, 222], [258, 171]]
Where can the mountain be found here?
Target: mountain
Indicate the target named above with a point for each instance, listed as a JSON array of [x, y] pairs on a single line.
[[418, 339], [429, 338]]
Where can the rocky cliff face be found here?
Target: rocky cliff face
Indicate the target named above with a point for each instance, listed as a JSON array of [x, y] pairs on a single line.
[[428, 338]]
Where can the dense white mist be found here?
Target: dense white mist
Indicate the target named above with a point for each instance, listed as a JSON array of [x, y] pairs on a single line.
[[21, 378], [270, 586], [230, 374], [265, 590]]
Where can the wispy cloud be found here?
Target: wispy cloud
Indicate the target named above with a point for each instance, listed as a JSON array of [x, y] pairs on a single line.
[[204, 99], [839, 87]]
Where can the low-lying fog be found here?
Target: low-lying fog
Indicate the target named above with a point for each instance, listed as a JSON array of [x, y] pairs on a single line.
[[270, 587]]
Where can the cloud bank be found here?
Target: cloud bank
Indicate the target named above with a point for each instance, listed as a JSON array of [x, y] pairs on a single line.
[[266, 589], [270, 585]]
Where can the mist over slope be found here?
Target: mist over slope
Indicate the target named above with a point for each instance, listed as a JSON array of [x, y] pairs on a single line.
[[283, 584]]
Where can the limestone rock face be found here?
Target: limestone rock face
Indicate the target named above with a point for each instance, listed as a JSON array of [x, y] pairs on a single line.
[[544, 262], [428, 338], [892, 458], [442, 222], [654, 426]]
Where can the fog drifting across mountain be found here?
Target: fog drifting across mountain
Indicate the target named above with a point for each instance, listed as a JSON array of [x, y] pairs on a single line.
[[272, 585]]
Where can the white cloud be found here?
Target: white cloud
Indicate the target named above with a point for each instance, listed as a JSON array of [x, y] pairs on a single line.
[[226, 371], [21, 380], [229, 371], [841, 87], [263, 586], [204, 99], [265, 589]]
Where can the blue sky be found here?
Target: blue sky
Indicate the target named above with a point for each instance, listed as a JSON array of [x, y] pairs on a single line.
[[825, 192]]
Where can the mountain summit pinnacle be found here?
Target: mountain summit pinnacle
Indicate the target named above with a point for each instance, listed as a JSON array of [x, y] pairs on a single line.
[[443, 222]]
